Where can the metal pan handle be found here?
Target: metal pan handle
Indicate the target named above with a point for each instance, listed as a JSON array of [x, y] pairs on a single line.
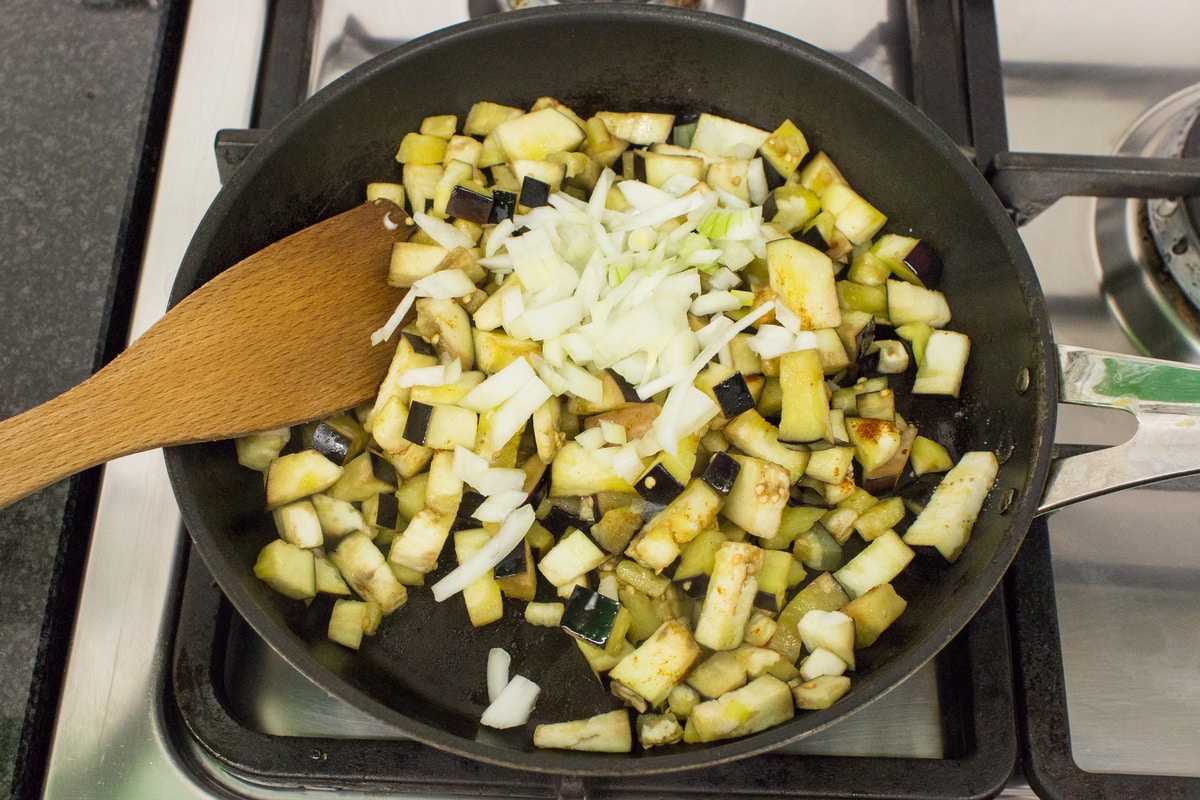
[[1165, 398]]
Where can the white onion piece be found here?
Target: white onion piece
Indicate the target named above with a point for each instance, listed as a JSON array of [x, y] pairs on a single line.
[[512, 530], [591, 439], [714, 303], [514, 412], [444, 284], [424, 376], [514, 705], [628, 464], [756, 181], [468, 466], [786, 317], [497, 388], [388, 328], [442, 232], [724, 279], [613, 433], [504, 229], [599, 199], [582, 383], [552, 319], [497, 507], [497, 672], [685, 411]]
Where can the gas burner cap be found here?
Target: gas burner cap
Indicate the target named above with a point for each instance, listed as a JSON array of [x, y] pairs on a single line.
[[1149, 250]]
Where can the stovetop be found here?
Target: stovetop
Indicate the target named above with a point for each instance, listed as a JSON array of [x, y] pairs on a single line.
[[1102, 603]]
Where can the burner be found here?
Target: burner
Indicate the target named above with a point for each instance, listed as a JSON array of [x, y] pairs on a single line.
[[1149, 250]]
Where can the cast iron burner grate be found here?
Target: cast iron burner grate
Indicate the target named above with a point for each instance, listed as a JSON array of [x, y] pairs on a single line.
[[974, 692]]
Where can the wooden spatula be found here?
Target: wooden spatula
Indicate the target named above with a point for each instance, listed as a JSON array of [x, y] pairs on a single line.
[[279, 338]]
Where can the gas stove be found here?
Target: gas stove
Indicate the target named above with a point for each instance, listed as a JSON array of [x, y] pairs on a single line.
[[1078, 678]]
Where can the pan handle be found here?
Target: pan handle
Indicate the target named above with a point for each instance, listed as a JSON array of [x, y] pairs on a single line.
[[1165, 398]]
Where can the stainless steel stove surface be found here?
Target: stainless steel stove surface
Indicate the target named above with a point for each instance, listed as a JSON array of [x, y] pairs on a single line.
[[1126, 574]]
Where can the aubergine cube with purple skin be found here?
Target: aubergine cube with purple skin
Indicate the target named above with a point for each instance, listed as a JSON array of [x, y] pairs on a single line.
[[417, 426], [628, 390], [818, 233], [471, 501], [658, 485], [721, 472], [513, 564], [924, 263], [337, 442], [419, 344], [504, 205], [534, 193], [387, 511], [470, 205], [733, 395], [558, 520], [590, 616]]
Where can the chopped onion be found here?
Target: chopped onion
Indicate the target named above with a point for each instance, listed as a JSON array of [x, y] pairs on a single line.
[[714, 303], [424, 376], [591, 439], [497, 388], [442, 232], [444, 284], [514, 412], [514, 705], [498, 506], [512, 530], [628, 464], [497, 672]]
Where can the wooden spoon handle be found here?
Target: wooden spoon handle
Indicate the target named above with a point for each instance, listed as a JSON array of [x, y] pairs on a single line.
[[83, 427]]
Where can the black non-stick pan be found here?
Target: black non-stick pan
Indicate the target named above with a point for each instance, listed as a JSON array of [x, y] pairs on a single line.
[[424, 671]]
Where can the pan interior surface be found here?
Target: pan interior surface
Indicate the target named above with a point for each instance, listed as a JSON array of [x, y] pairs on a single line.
[[424, 670]]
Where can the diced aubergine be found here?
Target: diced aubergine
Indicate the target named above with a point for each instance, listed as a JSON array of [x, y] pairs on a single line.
[[258, 450], [721, 472], [609, 732], [874, 612], [820, 692], [482, 597], [658, 485], [913, 260], [730, 596], [288, 569], [753, 435], [659, 663], [832, 630], [783, 151], [573, 555], [366, 570], [763, 703], [757, 499], [721, 672], [733, 395], [803, 279], [805, 415], [298, 523], [339, 439], [947, 519], [467, 204], [590, 616], [417, 427], [945, 360], [297, 475], [534, 193], [504, 204], [516, 574], [879, 562]]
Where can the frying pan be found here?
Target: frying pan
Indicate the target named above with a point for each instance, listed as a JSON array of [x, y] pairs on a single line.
[[423, 672]]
